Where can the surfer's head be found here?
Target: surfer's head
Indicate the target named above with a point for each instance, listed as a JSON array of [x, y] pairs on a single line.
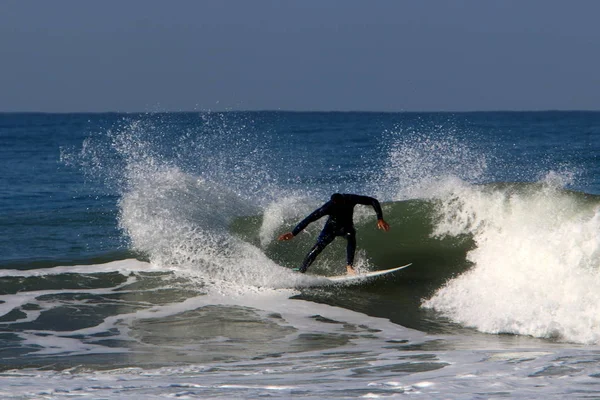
[[337, 198]]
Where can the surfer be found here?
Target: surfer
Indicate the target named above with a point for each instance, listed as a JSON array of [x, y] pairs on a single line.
[[340, 209]]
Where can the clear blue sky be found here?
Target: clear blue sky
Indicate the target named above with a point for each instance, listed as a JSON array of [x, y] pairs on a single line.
[[451, 55]]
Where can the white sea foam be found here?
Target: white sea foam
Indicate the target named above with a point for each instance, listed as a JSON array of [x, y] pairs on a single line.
[[122, 266], [536, 265]]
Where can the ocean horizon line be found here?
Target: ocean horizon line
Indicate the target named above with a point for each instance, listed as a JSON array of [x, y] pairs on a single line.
[[304, 111]]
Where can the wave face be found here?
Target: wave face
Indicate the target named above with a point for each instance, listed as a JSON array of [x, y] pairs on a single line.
[[409, 240], [515, 258], [207, 196]]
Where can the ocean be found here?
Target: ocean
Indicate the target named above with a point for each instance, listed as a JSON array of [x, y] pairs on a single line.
[[138, 256]]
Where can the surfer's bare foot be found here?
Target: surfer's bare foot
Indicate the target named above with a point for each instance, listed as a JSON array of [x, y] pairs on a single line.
[[350, 270]]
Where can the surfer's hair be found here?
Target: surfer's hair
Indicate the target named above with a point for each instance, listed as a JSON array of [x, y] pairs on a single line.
[[337, 198]]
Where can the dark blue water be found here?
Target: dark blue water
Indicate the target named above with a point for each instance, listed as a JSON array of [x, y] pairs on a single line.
[[50, 213]]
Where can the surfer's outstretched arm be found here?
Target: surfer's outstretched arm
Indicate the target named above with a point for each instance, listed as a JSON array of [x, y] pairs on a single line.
[[315, 215], [371, 201]]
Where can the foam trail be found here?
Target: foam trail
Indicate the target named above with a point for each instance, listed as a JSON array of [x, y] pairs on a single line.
[[122, 266]]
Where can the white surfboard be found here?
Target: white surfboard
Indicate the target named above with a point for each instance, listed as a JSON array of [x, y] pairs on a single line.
[[365, 276]]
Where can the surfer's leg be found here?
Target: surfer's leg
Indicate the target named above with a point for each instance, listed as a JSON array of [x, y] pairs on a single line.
[[324, 239], [350, 250]]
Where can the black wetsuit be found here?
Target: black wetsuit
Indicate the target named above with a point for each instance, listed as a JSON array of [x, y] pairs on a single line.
[[340, 223]]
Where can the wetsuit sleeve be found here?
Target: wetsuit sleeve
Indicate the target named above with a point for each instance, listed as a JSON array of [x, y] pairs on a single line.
[[368, 201], [315, 215]]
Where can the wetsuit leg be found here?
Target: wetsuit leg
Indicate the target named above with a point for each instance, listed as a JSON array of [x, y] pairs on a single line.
[[350, 247], [326, 237]]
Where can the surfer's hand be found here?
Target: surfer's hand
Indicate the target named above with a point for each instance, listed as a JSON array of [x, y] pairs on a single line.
[[286, 236], [381, 224]]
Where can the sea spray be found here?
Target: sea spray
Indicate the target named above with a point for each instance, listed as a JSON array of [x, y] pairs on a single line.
[[421, 158], [179, 187], [276, 214], [181, 222]]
